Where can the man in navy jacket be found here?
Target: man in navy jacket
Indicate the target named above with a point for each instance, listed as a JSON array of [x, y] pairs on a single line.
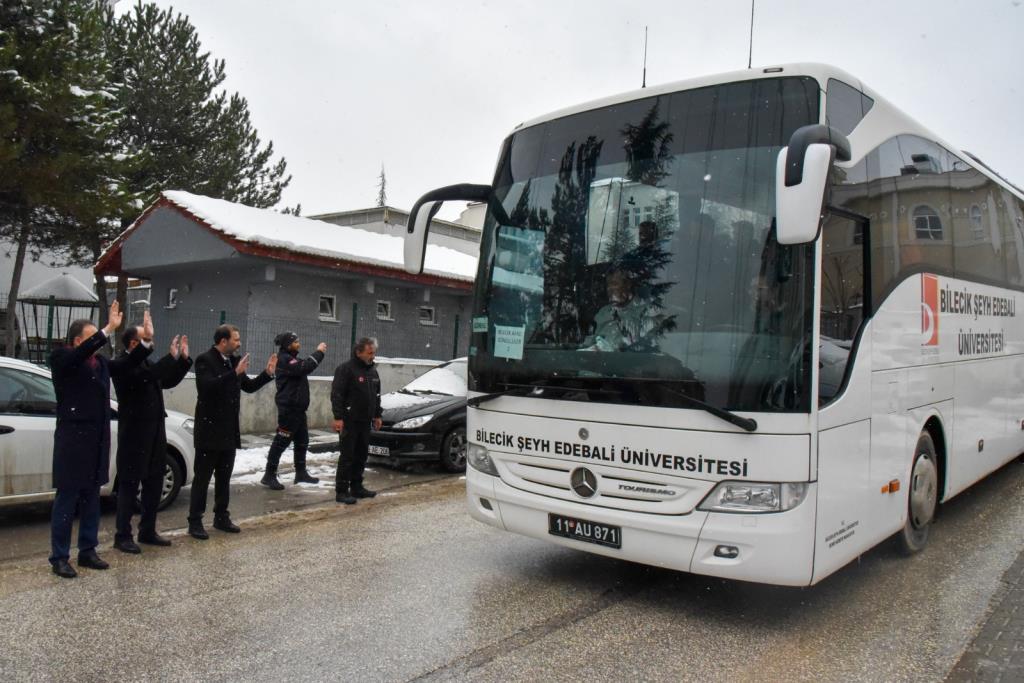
[[81, 441]]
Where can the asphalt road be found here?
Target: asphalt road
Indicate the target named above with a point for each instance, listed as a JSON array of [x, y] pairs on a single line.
[[407, 587]]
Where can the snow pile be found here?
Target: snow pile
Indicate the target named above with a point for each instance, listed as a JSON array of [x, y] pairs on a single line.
[[250, 463], [303, 235]]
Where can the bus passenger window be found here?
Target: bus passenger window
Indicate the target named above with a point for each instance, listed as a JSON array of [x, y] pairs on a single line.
[[842, 301]]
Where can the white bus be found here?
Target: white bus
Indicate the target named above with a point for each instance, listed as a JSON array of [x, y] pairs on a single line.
[[747, 326]]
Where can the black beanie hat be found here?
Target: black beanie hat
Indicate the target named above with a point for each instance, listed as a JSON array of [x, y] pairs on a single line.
[[285, 339]]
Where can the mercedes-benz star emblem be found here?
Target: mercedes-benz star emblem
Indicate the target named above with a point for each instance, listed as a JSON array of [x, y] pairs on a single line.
[[584, 482]]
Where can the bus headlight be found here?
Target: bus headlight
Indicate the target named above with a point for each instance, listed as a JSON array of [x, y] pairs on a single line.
[[746, 496], [478, 458]]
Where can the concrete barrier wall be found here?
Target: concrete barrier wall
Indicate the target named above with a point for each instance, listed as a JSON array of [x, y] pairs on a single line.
[[259, 414]]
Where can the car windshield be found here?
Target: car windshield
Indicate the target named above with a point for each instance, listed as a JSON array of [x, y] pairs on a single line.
[[448, 379], [631, 252]]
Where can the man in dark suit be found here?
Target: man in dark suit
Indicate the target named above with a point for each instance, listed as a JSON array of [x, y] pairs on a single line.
[[220, 379], [81, 441], [141, 436]]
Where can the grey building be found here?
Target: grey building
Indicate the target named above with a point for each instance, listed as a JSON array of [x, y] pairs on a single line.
[[210, 261]]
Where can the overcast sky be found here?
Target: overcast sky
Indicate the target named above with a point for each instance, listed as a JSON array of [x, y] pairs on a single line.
[[430, 89]]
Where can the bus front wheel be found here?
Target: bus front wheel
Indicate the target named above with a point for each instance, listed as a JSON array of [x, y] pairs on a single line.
[[922, 497]]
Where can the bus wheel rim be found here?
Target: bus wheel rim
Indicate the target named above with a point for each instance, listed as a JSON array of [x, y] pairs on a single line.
[[924, 483]]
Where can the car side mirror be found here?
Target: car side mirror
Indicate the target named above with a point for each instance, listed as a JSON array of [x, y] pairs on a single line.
[[424, 210], [801, 173]]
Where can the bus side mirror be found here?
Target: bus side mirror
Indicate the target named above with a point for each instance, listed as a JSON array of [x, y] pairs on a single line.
[[424, 210], [801, 174]]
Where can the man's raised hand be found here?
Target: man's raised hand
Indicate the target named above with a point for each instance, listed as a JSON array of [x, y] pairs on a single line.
[[243, 365], [147, 327], [184, 345], [272, 365], [114, 317], [322, 347], [174, 350]]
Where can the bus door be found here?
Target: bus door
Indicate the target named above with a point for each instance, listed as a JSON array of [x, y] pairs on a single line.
[[844, 394]]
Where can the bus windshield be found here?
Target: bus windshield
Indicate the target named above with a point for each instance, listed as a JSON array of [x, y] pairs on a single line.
[[629, 254]]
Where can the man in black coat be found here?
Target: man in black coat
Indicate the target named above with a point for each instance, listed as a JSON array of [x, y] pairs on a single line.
[[81, 441], [355, 402], [142, 436], [220, 379], [292, 401]]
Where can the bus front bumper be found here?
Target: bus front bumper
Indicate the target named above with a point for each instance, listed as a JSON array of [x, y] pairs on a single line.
[[775, 548]]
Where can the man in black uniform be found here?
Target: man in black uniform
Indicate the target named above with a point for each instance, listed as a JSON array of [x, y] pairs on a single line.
[[292, 401], [220, 381], [355, 402], [141, 436], [81, 441]]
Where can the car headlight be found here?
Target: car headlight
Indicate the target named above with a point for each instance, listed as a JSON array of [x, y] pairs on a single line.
[[413, 422], [478, 458], [747, 496], [189, 425]]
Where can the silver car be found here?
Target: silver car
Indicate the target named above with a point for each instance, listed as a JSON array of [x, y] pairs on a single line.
[[27, 422]]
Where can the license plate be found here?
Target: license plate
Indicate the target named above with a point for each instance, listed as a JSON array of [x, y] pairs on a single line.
[[379, 450], [582, 530]]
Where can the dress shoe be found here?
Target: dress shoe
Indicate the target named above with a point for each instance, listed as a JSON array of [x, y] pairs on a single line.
[[302, 476], [127, 546], [270, 481], [196, 530], [225, 524], [63, 569], [359, 492], [154, 539], [91, 560], [344, 497]]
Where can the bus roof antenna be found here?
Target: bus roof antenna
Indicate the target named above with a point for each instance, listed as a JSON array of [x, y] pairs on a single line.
[[750, 53], [643, 83]]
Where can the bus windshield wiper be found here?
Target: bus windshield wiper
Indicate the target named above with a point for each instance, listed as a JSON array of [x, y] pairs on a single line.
[[749, 424], [537, 389]]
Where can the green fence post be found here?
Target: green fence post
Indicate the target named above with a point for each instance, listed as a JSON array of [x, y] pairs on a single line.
[[455, 338], [355, 316], [49, 329], [223, 317]]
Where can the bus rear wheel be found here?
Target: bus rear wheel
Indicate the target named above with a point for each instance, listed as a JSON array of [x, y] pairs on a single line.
[[922, 497]]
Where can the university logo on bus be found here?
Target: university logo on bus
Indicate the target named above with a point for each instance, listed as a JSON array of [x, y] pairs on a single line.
[[929, 309]]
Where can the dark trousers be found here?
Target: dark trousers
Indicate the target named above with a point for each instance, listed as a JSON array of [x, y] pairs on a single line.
[[87, 502], [152, 487], [355, 445], [219, 465], [292, 427]]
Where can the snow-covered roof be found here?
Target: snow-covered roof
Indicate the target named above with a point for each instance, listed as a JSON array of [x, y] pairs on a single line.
[[269, 228], [62, 288]]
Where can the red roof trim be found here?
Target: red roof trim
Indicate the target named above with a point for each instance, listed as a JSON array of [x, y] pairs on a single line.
[[110, 262]]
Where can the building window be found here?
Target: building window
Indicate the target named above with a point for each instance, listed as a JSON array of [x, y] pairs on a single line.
[[927, 225], [977, 228], [328, 308], [428, 316], [384, 310], [172, 298]]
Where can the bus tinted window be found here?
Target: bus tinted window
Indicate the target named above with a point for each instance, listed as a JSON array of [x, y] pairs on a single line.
[[845, 106]]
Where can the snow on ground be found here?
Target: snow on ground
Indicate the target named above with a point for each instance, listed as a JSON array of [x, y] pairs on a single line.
[[250, 463]]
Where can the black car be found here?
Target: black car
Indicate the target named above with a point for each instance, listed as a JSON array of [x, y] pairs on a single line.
[[426, 419]]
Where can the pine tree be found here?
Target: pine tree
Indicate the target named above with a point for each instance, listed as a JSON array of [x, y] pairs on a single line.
[[56, 118], [382, 194], [185, 133], [176, 130]]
